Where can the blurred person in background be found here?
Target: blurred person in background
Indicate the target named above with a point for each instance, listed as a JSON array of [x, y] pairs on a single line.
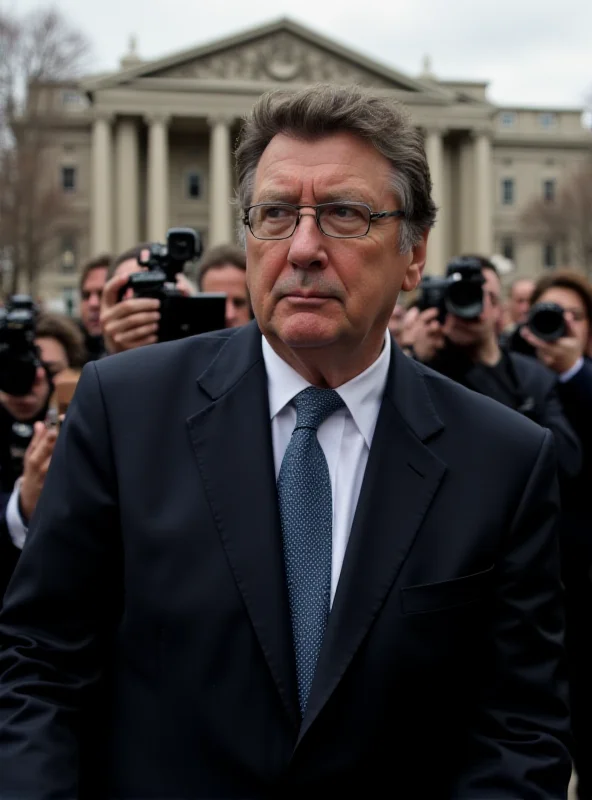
[[567, 358], [518, 304], [224, 269], [26, 444], [397, 321], [468, 352], [92, 283]]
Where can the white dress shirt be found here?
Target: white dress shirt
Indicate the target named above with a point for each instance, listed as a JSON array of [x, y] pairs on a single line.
[[345, 437], [14, 522]]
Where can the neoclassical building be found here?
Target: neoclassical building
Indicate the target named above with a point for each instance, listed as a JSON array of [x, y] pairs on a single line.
[[150, 146]]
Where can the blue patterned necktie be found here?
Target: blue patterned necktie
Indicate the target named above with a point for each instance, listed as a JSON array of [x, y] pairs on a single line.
[[306, 513]]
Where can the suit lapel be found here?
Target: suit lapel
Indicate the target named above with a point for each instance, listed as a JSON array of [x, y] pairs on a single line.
[[401, 478], [231, 438]]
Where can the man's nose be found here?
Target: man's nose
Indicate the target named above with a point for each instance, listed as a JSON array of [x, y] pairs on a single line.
[[307, 245]]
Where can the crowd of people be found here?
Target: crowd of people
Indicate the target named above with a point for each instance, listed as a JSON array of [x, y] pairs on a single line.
[[476, 677]]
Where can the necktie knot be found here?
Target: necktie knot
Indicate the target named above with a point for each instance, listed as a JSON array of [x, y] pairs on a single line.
[[314, 405]]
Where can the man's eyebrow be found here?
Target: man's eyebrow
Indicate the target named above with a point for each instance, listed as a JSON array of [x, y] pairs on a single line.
[[330, 196]]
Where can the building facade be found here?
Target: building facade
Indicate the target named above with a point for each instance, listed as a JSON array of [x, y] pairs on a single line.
[[150, 146]]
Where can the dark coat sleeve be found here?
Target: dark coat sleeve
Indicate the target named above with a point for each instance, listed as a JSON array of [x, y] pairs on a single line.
[[9, 554], [542, 385], [51, 646], [520, 736], [576, 397]]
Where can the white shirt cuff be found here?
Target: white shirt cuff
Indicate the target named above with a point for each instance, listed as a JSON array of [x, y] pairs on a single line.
[[16, 527], [567, 376]]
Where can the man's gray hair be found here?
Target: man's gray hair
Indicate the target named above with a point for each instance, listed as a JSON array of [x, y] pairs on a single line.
[[324, 109]]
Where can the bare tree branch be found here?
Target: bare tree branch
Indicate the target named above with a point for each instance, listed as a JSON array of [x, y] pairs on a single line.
[[567, 220], [41, 46]]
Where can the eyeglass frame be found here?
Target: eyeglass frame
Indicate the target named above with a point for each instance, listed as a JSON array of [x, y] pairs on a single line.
[[372, 217]]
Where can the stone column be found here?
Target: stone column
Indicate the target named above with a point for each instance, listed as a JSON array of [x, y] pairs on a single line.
[[220, 231], [101, 235], [158, 178], [466, 207], [483, 194], [127, 184], [435, 154]]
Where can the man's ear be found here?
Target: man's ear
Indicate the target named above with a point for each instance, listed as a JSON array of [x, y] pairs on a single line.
[[416, 266]]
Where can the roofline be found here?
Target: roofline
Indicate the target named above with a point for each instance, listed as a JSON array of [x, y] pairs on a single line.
[[283, 23], [542, 109]]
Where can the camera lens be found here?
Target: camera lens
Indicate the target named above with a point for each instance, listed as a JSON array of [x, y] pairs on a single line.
[[465, 299], [547, 322]]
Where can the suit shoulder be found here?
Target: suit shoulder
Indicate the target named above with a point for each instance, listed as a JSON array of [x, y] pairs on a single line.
[[481, 416], [195, 351]]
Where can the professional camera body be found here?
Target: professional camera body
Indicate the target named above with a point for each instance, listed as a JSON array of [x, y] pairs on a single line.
[[19, 356], [459, 293], [547, 322], [180, 316], [164, 262]]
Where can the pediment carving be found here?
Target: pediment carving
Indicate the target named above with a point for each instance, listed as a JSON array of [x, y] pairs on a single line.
[[282, 57]]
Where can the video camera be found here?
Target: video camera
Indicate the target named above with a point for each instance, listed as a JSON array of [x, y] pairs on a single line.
[[459, 293], [19, 356], [180, 316]]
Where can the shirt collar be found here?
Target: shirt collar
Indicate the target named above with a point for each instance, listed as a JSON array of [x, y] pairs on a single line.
[[362, 395]]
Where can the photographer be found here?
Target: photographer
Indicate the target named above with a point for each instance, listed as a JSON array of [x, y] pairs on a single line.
[[132, 321], [566, 357], [26, 445], [467, 351], [92, 283], [224, 269]]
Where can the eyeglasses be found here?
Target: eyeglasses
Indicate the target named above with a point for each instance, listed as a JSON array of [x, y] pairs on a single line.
[[339, 220]]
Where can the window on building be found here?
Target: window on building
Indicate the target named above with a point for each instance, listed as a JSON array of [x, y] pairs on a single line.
[[193, 183], [508, 248], [507, 119], [549, 190], [68, 253], [548, 120], [549, 255], [73, 100], [69, 179], [508, 191], [69, 299]]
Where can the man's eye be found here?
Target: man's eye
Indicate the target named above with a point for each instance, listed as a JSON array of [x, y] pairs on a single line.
[[277, 212], [345, 212]]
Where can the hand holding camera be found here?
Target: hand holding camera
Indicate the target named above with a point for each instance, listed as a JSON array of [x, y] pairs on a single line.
[[550, 332], [131, 323], [35, 465], [422, 333]]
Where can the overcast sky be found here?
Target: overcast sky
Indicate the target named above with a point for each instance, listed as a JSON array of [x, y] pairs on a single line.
[[532, 52]]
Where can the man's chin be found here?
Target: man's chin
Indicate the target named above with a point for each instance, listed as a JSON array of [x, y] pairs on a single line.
[[307, 330]]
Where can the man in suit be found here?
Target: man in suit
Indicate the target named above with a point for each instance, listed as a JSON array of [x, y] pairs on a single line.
[[286, 558]]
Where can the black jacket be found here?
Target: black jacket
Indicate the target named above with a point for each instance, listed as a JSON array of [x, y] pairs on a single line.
[[154, 561], [523, 384], [14, 440]]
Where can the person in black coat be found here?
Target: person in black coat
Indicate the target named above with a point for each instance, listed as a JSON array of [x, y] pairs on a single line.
[[567, 359], [468, 352], [25, 442]]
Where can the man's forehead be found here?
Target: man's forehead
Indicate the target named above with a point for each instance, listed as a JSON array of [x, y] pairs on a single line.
[[338, 162], [97, 275]]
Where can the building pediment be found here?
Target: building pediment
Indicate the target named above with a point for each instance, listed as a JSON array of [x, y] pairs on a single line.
[[283, 52], [281, 56]]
